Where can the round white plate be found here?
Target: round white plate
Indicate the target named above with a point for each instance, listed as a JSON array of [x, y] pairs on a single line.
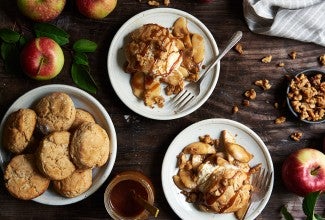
[[120, 80], [244, 136], [82, 100]]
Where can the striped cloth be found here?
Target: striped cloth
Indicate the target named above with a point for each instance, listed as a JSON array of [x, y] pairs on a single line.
[[302, 20]]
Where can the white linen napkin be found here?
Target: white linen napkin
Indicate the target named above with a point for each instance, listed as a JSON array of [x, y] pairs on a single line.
[[302, 20]]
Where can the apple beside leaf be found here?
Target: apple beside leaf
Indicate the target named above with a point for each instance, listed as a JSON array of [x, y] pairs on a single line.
[[41, 11], [303, 171], [96, 9], [42, 58]]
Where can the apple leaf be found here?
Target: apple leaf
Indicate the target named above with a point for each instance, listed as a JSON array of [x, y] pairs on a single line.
[[10, 55], [286, 214], [9, 36], [81, 77], [309, 203], [84, 46], [81, 58], [51, 31]]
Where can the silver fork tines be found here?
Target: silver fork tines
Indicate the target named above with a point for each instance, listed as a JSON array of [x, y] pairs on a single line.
[[192, 89], [182, 99], [261, 183]]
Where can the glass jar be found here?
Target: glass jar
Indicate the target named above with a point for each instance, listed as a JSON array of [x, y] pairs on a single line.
[[119, 198]]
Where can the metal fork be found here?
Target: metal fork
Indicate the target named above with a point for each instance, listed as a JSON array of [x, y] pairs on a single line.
[[261, 183], [192, 89]]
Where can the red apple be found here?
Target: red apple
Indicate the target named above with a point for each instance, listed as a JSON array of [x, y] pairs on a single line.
[[304, 171], [96, 9], [42, 58], [41, 10]]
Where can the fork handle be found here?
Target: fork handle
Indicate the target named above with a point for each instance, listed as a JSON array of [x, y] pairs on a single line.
[[233, 40]]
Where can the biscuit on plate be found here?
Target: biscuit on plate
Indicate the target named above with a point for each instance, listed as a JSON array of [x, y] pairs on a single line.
[[53, 158], [89, 146], [55, 112], [74, 185], [81, 117], [18, 130], [22, 178]]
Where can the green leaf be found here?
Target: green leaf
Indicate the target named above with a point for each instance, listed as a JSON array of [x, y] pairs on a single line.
[[318, 217], [9, 36], [22, 41], [309, 203], [81, 76], [286, 214], [51, 31], [10, 55], [84, 45], [5, 50], [81, 59]]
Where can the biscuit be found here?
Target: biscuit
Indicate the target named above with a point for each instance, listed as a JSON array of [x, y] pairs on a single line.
[[18, 130], [89, 146], [53, 158], [22, 179], [81, 117], [77, 183], [55, 112]]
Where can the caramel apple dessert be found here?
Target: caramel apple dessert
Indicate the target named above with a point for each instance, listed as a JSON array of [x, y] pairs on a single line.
[[156, 55], [214, 174]]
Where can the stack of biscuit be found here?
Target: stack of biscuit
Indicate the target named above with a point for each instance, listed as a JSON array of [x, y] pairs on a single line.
[[53, 142]]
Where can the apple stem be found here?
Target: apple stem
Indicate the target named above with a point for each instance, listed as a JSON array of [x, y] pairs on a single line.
[[40, 66], [315, 171]]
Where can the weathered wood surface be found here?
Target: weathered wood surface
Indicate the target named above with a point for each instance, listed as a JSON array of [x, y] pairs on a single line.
[[142, 142]]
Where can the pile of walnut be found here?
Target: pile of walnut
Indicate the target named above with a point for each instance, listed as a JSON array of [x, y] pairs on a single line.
[[307, 96], [214, 175]]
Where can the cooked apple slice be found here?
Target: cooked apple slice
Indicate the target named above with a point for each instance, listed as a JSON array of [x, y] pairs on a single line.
[[186, 177], [238, 152], [137, 84], [199, 148], [198, 48]]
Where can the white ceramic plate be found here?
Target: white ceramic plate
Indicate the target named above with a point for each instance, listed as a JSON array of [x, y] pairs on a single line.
[[120, 80], [244, 136], [82, 100]]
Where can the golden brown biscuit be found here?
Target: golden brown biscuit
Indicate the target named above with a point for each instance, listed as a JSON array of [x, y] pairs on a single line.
[[22, 178], [53, 158], [74, 185], [81, 117], [55, 112], [89, 146], [18, 130]]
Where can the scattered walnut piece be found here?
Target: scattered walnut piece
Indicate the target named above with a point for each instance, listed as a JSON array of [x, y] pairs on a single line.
[[293, 55], [166, 2], [322, 59], [280, 120], [235, 109], [239, 48], [281, 64], [296, 136], [307, 96], [251, 94], [276, 105], [267, 59], [153, 3], [245, 102], [263, 83]]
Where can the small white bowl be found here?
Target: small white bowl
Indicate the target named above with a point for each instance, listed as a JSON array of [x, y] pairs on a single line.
[[82, 100]]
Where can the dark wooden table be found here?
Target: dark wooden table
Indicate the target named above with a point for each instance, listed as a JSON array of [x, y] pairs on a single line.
[[143, 142]]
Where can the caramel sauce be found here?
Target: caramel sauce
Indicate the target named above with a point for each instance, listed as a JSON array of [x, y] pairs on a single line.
[[122, 200]]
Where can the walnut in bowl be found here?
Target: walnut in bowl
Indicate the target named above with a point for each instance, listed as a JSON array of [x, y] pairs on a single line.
[[306, 96]]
